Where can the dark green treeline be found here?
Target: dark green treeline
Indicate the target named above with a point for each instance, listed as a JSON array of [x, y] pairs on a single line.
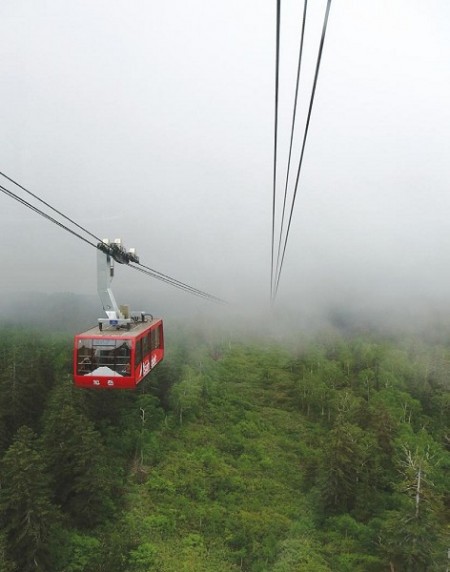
[[327, 456]]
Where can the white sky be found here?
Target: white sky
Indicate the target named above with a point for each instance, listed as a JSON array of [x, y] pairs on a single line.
[[153, 121]]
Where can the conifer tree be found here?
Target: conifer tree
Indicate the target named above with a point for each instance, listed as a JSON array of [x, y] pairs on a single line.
[[27, 514], [76, 457]]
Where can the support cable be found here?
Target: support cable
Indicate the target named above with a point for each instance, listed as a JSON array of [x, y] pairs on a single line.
[[316, 75], [142, 268], [275, 146], [177, 284], [50, 206], [45, 215], [294, 116]]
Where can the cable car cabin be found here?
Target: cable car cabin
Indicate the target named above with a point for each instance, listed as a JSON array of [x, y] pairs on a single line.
[[117, 359]]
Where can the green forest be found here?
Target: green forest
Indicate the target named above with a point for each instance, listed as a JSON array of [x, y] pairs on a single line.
[[324, 453]]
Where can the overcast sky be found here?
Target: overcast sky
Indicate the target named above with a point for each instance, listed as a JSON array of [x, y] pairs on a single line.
[[153, 122]]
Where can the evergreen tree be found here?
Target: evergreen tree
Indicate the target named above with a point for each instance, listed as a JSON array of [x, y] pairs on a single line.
[[82, 476], [26, 378], [27, 514], [347, 464]]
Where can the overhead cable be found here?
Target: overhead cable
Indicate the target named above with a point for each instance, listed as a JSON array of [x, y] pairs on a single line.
[[180, 284], [50, 207], [141, 267], [177, 284], [294, 116], [45, 215], [275, 146], [313, 91]]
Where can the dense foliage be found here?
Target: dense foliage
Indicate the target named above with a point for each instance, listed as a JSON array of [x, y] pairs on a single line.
[[327, 455]]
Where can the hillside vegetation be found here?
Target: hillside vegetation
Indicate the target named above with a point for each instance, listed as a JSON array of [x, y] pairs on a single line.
[[330, 455]]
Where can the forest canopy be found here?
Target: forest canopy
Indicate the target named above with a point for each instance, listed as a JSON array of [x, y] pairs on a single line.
[[324, 454]]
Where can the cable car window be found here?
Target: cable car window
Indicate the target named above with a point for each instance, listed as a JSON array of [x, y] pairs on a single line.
[[84, 357], [159, 330], [122, 357], [138, 354], [152, 340], [103, 357], [145, 345], [155, 339]]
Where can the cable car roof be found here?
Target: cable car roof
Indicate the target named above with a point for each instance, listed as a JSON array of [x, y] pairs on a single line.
[[135, 330]]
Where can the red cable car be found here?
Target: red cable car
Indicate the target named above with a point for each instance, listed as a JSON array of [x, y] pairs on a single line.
[[123, 348], [117, 359]]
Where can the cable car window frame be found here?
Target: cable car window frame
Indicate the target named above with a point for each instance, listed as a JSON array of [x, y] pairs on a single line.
[[155, 339], [159, 335], [145, 346], [102, 352], [138, 352]]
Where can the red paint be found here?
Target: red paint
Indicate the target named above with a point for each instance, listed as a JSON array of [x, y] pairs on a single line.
[[126, 355]]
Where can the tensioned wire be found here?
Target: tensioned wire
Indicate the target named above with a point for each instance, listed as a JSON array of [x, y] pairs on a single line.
[[141, 267], [305, 135], [275, 146], [294, 116], [50, 206], [42, 213]]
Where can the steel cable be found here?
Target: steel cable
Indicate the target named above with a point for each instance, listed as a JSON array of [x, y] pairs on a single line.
[[313, 91], [141, 267], [50, 206], [275, 146], [176, 283], [45, 215], [294, 116]]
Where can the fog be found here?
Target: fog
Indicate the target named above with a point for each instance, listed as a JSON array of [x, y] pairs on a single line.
[[153, 122]]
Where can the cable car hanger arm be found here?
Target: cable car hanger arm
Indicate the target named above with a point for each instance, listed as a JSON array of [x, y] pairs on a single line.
[[107, 253]]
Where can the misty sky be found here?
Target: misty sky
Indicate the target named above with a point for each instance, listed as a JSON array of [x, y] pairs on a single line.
[[153, 121]]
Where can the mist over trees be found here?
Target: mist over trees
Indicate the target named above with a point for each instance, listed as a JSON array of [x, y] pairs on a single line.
[[327, 453]]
